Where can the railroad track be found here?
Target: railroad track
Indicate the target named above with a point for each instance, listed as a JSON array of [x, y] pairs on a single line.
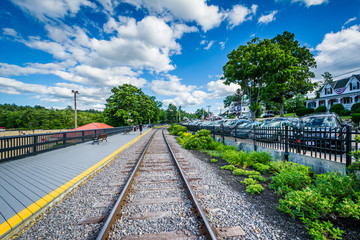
[[157, 202]]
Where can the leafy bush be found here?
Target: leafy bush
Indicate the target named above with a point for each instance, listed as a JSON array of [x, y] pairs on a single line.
[[257, 177], [309, 205], [184, 138], [355, 117], [349, 208], [177, 129], [262, 168], [345, 112], [355, 107], [336, 185], [254, 188], [214, 153], [238, 172], [322, 230], [259, 157], [228, 167], [337, 108], [291, 177], [249, 181], [320, 109], [235, 157], [201, 140], [303, 111], [214, 160]]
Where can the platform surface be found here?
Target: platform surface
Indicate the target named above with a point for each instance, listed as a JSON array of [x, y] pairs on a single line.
[[27, 184]]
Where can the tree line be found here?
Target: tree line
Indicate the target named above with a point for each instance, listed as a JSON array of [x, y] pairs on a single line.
[[38, 117]]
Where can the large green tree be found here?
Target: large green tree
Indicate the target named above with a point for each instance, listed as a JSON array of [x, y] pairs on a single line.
[[295, 76], [255, 66], [129, 102]]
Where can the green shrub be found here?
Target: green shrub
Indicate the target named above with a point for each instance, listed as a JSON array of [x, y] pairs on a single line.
[[306, 203], [201, 140], [254, 188], [214, 153], [336, 185], [259, 157], [355, 117], [262, 168], [320, 109], [177, 129], [214, 160], [249, 181], [252, 172], [303, 111], [345, 112], [349, 208], [355, 107], [184, 138], [235, 157], [257, 177], [322, 230], [228, 167], [337, 108], [238, 172], [291, 177]]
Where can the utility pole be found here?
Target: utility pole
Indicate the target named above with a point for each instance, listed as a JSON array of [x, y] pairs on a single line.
[[179, 113], [75, 92], [209, 110]]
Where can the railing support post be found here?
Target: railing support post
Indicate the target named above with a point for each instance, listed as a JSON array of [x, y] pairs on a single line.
[[286, 154], [254, 139], [348, 147], [64, 138], [222, 133], [83, 136], [35, 144]]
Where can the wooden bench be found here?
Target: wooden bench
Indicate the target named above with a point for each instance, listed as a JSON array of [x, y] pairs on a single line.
[[100, 138]]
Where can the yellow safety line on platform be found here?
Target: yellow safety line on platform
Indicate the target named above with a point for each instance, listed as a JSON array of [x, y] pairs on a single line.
[[22, 215]]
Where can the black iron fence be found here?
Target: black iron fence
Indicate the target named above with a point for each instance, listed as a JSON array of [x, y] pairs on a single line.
[[332, 144], [20, 146]]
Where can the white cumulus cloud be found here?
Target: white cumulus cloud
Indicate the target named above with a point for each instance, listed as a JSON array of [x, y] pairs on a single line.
[[268, 18]]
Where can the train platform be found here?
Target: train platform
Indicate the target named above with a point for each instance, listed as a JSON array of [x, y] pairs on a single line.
[[29, 186]]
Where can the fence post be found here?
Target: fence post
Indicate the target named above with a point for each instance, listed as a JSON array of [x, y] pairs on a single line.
[[235, 133], [222, 133], [254, 139], [286, 154], [83, 136], [64, 138], [35, 143], [348, 147]]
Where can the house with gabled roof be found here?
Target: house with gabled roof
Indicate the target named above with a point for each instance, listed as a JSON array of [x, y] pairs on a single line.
[[345, 91]]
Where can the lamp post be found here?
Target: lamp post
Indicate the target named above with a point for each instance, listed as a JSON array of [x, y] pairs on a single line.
[[75, 92], [179, 114], [209, 111]]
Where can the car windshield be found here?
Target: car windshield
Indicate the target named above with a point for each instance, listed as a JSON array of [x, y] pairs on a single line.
[[319, 121]]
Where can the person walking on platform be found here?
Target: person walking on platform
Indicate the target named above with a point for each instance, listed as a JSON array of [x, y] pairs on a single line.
[[135, 129], [140, 128]]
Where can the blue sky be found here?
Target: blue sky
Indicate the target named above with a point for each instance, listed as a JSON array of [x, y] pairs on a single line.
[[171, 49]]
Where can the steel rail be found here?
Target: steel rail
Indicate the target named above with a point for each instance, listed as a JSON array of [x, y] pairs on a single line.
[[208, 230], [120, 201]]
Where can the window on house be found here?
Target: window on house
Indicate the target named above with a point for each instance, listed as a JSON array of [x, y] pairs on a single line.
[[354, 86], [328, 91]]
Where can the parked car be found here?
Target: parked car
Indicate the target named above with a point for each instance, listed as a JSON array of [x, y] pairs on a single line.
[[244, 129], [273, 131], [231, 124], [324, 130]]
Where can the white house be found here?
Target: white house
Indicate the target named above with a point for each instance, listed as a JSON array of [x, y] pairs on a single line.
[[243, 110], [345, 91]]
